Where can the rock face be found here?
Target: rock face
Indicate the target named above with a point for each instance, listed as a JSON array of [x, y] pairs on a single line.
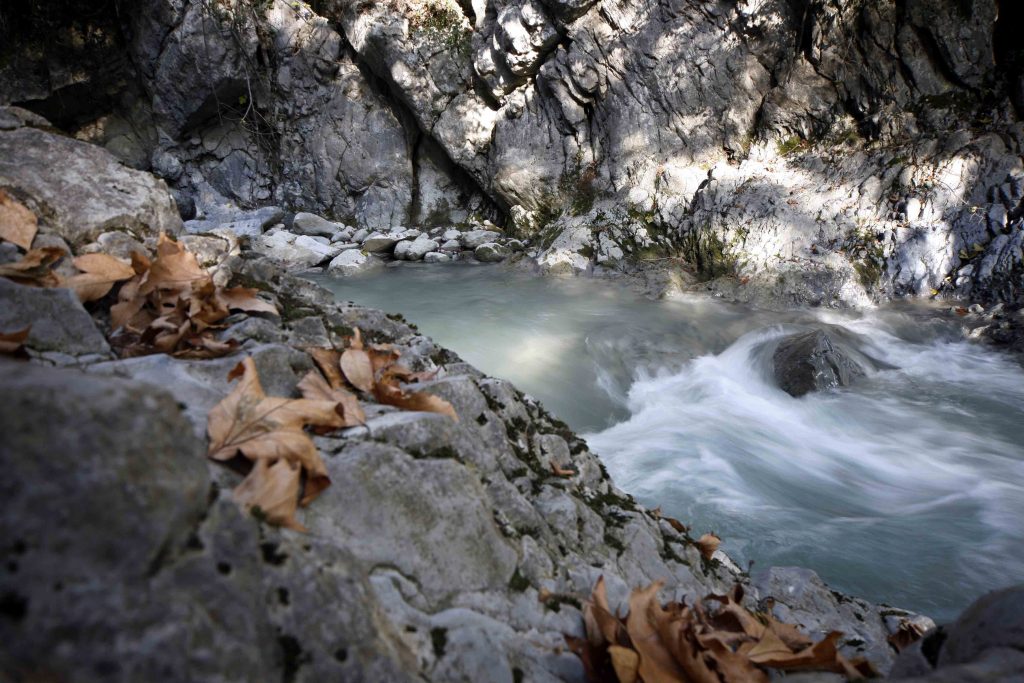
[[835, 154], [810, 361]]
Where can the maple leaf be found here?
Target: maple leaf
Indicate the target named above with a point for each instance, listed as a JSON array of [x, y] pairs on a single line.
[[562, 472], [99, 274], [35, 268], [18, 224], [708, 544], [13, 343], [261, 427], [626, 663], [389, 392], [657, 664]]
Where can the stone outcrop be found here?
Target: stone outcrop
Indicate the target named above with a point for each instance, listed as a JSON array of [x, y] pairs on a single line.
[[91, 194], [831, 152]]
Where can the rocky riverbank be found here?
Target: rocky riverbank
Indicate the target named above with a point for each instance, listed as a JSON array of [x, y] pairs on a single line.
[[442, 550]]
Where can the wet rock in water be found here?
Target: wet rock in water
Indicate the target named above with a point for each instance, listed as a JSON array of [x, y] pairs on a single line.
[[352, 261], [491, 252], [810, 361], [995, 620]]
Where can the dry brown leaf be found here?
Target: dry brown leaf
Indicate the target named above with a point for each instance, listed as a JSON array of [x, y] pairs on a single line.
[[273, 490], [175, 268], [262, 427], [314, 386], [419, 400], [906, 635], [626, 663], [708, 544], [769, 648], [35, 268], [561, 472], [13, 343], [696, 644], [676, 628], [245, 299], [18, 224], [733, 667], [329, 362], [657, 664], [676, 524], [99, 274], [358, 369], [601, 623], [823, 655]]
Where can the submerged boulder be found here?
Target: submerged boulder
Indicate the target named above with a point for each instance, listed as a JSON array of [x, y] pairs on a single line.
[[811, 361]]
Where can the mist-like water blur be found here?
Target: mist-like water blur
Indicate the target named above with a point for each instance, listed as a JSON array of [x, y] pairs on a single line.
[[905, 488]]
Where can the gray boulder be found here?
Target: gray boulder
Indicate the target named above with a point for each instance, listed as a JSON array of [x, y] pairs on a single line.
[[311, 224], [491, 252], [475, 238], [93, 193], [242, 223], [352, 261], [295, 252], [378, 242], [120, 552], [416, 249], [995, 620], [59, 322], [984, 645], [810, 361]]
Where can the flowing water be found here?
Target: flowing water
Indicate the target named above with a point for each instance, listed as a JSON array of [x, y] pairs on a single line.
[[906, 487]]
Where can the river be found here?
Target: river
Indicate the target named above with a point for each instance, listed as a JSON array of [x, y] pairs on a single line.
[[905, 488]]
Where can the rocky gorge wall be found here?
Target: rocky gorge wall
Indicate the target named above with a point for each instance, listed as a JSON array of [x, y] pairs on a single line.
[[823, 151]]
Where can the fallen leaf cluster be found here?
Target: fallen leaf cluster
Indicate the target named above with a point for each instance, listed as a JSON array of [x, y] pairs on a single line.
[[171, 305], [372, 369], [716, 640], [269, 431]]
